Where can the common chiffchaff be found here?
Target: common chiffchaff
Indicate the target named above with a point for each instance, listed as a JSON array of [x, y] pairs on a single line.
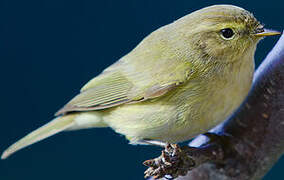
[[180, 81]]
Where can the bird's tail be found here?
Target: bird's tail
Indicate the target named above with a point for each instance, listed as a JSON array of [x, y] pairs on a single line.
[[57, 125]]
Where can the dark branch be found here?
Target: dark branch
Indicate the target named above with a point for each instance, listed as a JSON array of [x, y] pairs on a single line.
[[249, 143]]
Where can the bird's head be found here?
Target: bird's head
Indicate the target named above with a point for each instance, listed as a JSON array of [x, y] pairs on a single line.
[[223, 32]]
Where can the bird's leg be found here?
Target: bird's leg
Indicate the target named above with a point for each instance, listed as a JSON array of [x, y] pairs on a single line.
[[173, 162], [177, 161], [166, 160], [153, 142]]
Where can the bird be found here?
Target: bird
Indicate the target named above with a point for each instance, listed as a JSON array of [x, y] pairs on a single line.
[[180, 81]]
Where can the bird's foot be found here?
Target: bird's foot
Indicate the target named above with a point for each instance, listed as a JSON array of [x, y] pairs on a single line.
[[177, 161], [173, 162]]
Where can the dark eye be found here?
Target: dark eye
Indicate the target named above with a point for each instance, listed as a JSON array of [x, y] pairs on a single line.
[[227, 33]]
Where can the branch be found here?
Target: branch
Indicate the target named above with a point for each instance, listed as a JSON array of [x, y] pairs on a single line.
[[247, 144]]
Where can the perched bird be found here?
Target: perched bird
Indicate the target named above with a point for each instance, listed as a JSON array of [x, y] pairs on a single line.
[[180, 81]]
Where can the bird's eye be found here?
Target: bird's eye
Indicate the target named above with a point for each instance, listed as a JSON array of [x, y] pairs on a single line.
[[227, 33]]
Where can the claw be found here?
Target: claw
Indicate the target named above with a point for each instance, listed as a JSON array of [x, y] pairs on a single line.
[[171, 163], [149, 163]]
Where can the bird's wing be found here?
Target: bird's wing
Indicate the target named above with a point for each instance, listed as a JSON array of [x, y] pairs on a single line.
[[115, 89], [112, 91], [151, 70]]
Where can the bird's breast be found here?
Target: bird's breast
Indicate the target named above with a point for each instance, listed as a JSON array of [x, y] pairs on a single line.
[[209, 101]]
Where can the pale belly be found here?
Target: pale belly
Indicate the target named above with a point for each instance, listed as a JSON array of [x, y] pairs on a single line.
[[172, 119]]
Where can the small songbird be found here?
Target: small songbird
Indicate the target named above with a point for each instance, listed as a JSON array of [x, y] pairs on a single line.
[[178, 82]]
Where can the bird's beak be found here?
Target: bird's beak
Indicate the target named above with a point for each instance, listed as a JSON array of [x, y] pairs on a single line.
[[267, 32]]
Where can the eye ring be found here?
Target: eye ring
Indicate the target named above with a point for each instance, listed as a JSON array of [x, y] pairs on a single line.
[[227, 33]]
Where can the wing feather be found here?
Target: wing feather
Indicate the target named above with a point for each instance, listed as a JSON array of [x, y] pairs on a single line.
[[108, 93], [152, 69]]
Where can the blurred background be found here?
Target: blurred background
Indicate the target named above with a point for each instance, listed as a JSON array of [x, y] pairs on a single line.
[[50, 48]]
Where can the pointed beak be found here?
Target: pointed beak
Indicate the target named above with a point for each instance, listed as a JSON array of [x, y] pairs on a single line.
[[266, 32]]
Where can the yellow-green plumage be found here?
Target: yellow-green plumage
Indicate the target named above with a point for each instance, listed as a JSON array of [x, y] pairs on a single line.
[[180, 81]]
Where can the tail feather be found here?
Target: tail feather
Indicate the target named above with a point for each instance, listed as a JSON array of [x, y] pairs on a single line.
[[55, 126]]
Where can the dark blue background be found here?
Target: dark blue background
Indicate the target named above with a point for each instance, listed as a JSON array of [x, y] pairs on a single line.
[[50, 48]]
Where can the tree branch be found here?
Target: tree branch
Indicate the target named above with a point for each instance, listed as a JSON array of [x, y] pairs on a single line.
[[248, 144]]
